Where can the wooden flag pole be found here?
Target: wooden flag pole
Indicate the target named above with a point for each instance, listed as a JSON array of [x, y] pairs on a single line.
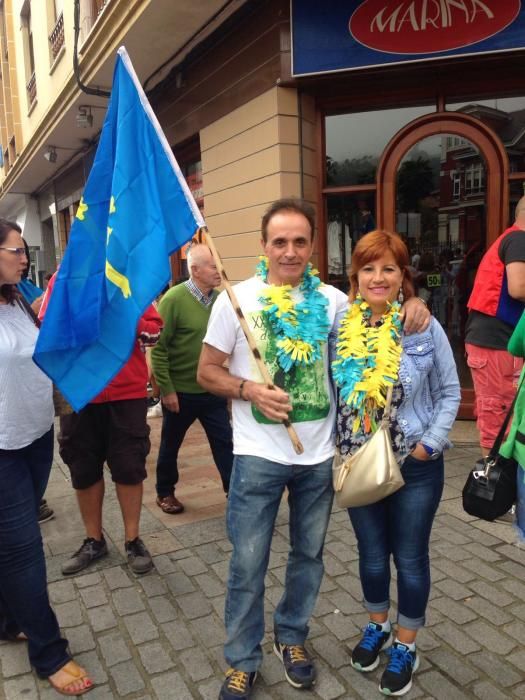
[[249, 337]]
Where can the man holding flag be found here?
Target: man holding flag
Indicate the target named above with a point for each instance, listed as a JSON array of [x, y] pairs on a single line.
[[135, 211]]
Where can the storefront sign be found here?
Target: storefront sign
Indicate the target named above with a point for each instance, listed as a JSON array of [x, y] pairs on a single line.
[[336, 35]]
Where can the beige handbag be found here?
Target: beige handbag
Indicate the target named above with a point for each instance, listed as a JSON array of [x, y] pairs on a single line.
[[371, 473]]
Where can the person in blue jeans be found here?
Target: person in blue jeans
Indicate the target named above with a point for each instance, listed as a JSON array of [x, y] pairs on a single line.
[[26, 455], [425, 401], [290, 314]]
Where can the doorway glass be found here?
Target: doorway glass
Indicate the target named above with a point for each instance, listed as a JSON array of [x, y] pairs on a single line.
[[441, 214]]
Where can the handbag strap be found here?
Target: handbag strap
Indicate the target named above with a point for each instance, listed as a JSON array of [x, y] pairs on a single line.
[[494, 450], [388, 404], [28, 310]]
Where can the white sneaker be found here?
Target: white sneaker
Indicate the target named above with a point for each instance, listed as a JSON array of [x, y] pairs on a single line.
[[155, 411]]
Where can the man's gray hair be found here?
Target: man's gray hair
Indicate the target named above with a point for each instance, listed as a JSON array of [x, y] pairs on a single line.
[[196, 255]]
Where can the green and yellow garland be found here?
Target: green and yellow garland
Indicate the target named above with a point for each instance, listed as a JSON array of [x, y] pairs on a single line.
[[367, 360], [301, 328]]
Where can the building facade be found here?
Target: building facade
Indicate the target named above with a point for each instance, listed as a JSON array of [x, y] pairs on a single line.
[[403, 115]]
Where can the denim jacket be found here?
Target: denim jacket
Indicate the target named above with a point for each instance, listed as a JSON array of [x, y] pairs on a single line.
[[431, 388], [431, 392]]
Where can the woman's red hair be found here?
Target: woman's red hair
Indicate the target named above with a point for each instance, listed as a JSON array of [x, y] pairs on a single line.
[[372, 246]]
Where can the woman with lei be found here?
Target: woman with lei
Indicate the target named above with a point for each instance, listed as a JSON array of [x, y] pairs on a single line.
[[372, 354]]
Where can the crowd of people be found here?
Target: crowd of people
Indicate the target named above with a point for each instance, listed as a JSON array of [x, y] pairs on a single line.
[[333, 359]]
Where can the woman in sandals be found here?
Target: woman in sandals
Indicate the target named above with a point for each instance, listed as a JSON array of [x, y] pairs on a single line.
[[373, 353], [26, 454]]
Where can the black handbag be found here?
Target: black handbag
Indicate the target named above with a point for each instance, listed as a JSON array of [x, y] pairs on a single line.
[[490, 489]]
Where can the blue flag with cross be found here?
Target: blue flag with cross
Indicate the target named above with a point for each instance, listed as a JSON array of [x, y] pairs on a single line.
[[135, 211]]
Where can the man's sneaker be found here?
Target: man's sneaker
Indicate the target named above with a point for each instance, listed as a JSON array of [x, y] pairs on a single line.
[[45, 513], [90, 550], [237, 684], [397, 676], [139, 559], [365, 656], [299, 668]]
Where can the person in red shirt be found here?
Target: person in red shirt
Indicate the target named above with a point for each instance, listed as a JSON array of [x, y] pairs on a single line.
[[113, 429]]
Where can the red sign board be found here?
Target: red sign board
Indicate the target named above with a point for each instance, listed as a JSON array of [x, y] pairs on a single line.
[[429, 26]]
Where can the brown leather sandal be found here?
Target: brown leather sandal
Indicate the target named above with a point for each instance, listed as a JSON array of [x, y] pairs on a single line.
[[170, 504], [73, 672]]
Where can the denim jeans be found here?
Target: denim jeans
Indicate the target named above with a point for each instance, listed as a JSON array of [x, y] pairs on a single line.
[[24, 603], [400, 526], [256, 490], [212, 413]]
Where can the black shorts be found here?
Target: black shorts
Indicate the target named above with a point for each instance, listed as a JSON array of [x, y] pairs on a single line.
[[115, 432]]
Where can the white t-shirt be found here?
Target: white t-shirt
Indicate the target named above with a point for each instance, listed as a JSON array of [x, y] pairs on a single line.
[[26, 401], [309, 387]]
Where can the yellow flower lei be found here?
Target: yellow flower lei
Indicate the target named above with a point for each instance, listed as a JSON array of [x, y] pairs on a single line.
[[367, 359]]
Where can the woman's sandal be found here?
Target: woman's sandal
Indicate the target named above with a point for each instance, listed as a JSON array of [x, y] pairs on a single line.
[[75, 673]]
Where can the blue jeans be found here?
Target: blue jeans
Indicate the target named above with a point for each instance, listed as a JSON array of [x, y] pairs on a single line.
[[212, 413], [400, 526], [257, 487], [24, 603]]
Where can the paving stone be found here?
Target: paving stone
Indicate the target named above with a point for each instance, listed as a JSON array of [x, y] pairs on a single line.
[[489, 637], [178, 635], [448, 550], [453, 589], [163, 564], [179, 584], [344, 602], [14, 660], [68, 614], [153, 585], [171, 685], [456, 637], [492, 593], [61, 592], [154, 658], [487, 691], [512, 568], [90, 661], [210, 553], [440, 687], [195, 663], [21, 687], [494, 666], [162, 609], [101, 618], [210, 585], [484, 570], [209, 629], [127, 678], [518, 659], [514, 586], [93, 596], [90, 579], [340, 625], [452, 570], [127, 601], [516, 630], [194, 605], [116, 577], [193, 566], [482, 552], [333, 652], [492, 613], [457, 612], [114, 649], [80, 639], [327, 686], [452, 665], [333, 566], [141, 627]]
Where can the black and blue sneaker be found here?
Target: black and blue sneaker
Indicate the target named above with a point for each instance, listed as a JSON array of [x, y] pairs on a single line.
[[299, 668], [397, 676], [365, 656], [237, 685]]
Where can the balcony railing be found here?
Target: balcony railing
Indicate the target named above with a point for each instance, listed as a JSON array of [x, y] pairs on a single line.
[[56, 38], [97, 7], [31, 89]]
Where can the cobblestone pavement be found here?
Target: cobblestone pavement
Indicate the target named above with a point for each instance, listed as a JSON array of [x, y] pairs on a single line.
[[160, 636]]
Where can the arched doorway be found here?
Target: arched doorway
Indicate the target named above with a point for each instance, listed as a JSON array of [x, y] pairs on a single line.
[[442, 182]]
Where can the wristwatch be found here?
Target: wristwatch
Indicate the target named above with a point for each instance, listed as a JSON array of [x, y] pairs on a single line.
[[431, 452]]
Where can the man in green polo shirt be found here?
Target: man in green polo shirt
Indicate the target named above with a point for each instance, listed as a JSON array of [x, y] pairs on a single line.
[[185, 310]]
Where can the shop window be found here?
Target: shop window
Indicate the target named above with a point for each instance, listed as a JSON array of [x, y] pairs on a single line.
[[354, 142]]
